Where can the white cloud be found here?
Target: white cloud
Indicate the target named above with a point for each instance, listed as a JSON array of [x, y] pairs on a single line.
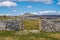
[[47, 13], [58, 2], [8, 3], [12, 0], [48, 2], [44, 1], [5, 14], [44, 13], [34, 13], [29, 6]]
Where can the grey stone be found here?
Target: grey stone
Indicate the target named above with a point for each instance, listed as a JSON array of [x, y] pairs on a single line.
[[9, 25], [50, 25]]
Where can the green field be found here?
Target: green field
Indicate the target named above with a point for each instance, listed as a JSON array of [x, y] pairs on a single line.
[[9, 35], [31, 24]]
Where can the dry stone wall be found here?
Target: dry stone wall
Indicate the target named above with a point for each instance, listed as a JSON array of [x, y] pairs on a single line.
[[50, 25], [9, 25]]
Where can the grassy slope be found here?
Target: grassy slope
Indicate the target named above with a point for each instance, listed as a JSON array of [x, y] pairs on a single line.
[[30, 36]]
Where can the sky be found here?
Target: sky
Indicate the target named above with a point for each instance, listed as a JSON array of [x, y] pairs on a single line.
[[39, 7]]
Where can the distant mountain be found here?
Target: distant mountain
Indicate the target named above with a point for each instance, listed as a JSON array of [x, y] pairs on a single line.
[[27, 16], [45, 16]]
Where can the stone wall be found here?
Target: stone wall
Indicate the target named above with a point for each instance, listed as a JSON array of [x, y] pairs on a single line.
[[9, 25], [50, 25]]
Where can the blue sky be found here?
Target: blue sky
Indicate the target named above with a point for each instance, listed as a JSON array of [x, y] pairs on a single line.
[[18, 7]]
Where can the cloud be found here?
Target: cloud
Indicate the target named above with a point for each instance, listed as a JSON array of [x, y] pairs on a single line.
[[47, 1], [58, 3], [5, 14], [44, 1], [29, 6], [35, 13], [8, 3], [12, 0], [44, 13], [47, 13]]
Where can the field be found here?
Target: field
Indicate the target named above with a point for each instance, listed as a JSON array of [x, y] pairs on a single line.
[[30, 25], [9, 35]]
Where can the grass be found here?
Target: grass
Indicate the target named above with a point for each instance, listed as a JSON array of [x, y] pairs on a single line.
[[31, 24], [31, 36], [7, 33]]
